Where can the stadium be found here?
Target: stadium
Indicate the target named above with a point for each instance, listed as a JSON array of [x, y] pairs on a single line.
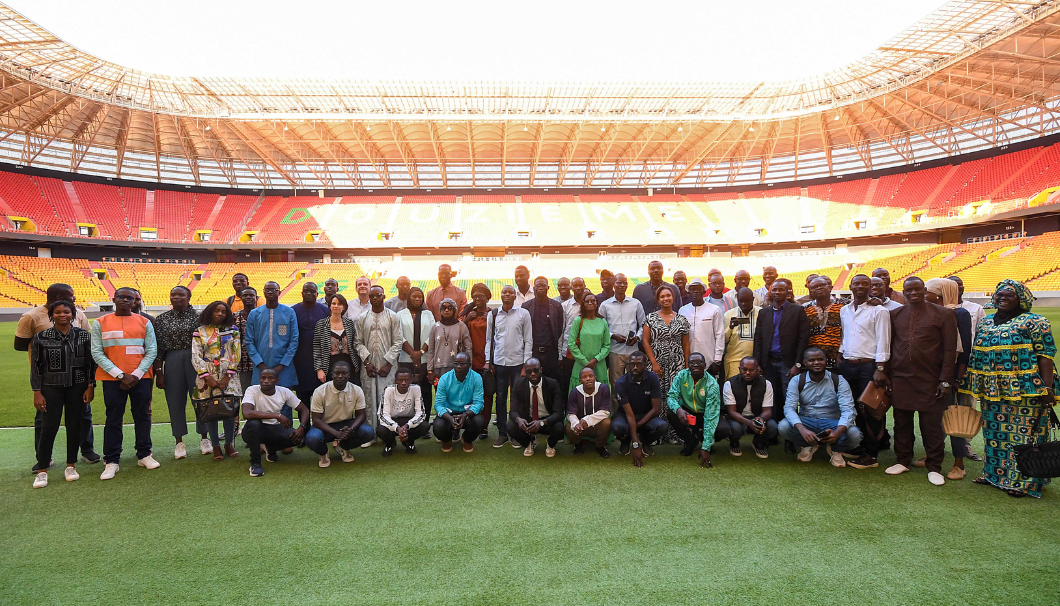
[[936, 155]]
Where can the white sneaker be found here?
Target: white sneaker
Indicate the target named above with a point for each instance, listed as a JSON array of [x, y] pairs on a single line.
[[367, 445], [41, 480], [550, 452], [149, 462], [205, 447], [71, 475], [896, 469], [837, 460], [109, 471], [324, 461], [936, 478], [180, 451], [529, 450], [806, 454]]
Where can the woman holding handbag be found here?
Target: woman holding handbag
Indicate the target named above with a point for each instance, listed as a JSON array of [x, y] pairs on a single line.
[[333, 341], [589, 342], [1011, 372], [215, 354]]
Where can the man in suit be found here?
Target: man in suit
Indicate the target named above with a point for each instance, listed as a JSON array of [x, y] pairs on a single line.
[[546, 324], [782, 334], [537, 409]]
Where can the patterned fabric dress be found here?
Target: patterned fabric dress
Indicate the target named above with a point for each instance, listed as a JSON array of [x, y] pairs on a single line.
[[215, 352], [1003, 374], [666, 345], [826, 330]]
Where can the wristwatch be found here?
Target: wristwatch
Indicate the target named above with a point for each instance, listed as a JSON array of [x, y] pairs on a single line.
[[635, 445], [945, 385], [798, 365], [879, 367]]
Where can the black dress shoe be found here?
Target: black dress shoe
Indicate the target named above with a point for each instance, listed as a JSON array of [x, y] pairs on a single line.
[[604, 452], [90, 457], [579, 448], [688, 450], [789, 447]]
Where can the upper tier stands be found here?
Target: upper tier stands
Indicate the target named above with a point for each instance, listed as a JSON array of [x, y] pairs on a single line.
[[933, 195]]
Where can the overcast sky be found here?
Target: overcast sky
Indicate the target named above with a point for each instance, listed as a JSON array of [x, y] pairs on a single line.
[[472, 40]]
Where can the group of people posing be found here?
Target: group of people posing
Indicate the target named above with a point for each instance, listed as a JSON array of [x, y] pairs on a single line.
[[691, 362]]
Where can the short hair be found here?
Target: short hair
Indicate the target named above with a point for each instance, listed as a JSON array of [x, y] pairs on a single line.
[[402, 370], [348, 366], [239, 273], [342, 299], [917, 278], [128, 288], [637, 354], [541, 278], [812, 350], [61, 303], [696, 354], [206, 317], [59, 289], [748, 359], [524, 268], [860, 276], [246, 288], [184, 288]]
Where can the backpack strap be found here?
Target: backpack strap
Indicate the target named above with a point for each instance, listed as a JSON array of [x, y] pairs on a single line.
[[802, 380], [835, 381]]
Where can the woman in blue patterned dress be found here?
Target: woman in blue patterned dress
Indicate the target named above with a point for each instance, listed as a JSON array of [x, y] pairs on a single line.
[[1011, 372]]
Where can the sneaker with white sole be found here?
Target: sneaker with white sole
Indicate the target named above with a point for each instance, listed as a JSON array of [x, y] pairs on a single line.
[[366, 445], [936, 478], [108, 471], [149, 462], [324, 461], [71, 474], [180, 451], [837, 459], [896, 469], [529, 450], [761, 451], [205, 447], [256, 470], [806, 454], [41, 480], [734, 449], [550, 451]]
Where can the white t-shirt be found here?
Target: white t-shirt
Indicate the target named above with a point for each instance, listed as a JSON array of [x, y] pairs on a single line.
[[730, 399], [270, 404]]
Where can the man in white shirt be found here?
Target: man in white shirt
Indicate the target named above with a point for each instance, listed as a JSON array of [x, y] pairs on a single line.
[[402, 414], [707, 327], [748, 400], [878, 290], [266, 424], [358, 305], [625, 319], [974, 309], [865, 349], [337, 411], [523, 291], [509, 344]]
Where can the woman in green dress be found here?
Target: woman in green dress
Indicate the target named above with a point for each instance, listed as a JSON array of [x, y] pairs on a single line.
[[1011, 372], [589, 342]]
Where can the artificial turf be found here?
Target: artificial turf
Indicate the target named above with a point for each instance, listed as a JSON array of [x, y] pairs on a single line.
[[493, 527]]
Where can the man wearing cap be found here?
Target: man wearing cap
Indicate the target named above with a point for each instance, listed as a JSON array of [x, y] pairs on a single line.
[[707, 327]]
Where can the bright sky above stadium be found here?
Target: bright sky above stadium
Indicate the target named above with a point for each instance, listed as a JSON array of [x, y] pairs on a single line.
[[478, 40]]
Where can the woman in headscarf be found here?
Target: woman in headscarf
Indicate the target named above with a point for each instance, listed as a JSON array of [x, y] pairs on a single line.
[[449, 336], [589, 342], [1011, 372], [416, 322], [474, 316], [942, 291]]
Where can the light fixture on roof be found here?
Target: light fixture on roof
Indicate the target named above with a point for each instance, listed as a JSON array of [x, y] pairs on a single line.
[[448, 127], [680, 128], [836, 117], [603, 128], [751, 129], [284, 128], [367, 127], [207, 127], [525, 128]]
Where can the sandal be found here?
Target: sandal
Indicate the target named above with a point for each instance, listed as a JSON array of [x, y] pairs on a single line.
[[231, 451], [217, 455], [1015, 494], [981, 480]]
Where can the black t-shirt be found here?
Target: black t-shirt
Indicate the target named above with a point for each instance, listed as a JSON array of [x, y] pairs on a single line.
[[638, 395]]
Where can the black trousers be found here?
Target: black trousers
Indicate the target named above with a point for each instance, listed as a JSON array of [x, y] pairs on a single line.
[[443, 429], [389, 438], [694, 435], [548, 355], [60, 400], [874, 436], [523, 438], [87, 435], [566, 369], [139, 400], [274, 436], [425, 387]]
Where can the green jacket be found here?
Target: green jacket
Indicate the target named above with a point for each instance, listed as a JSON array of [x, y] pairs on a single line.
[[700, 398]]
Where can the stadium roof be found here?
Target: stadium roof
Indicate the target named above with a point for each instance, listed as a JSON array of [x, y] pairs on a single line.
[[970, 76]]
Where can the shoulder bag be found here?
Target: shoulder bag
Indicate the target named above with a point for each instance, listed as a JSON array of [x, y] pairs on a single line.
[[216, 407], [1040, 458]]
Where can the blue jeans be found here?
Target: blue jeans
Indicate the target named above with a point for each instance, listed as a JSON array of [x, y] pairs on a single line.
[[739, 430], [317, 441], [847, 442], [653, 430], [115, 399]]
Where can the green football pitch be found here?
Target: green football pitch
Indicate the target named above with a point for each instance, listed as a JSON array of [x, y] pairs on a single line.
[[493, 527]]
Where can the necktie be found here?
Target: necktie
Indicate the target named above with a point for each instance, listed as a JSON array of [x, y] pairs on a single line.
[[533, 403]]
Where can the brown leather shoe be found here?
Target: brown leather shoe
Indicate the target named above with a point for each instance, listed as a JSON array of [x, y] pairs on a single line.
[[468, 446], [957, 473], [920, 463]]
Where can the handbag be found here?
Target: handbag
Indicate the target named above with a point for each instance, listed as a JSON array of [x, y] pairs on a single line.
[[962, 420], [877, 401], [216, 407], [1040, 458], [577, 340]]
